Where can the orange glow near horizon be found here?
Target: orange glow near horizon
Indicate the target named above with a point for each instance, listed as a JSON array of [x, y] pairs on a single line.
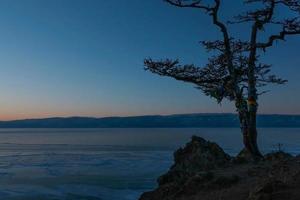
[[20, 116]]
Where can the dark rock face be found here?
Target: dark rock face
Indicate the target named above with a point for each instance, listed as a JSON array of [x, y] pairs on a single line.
[[198, 155], [202, 170], [191, 170], [266, 190], [277, 156]]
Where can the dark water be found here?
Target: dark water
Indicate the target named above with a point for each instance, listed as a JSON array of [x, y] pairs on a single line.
[[106, 164]]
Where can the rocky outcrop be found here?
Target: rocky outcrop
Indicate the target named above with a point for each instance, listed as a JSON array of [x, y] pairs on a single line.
[[278, 156], [198, 155], [202, 170], [282, 180]]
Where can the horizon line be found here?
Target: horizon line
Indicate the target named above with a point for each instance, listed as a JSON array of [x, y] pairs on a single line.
[[146, 115]]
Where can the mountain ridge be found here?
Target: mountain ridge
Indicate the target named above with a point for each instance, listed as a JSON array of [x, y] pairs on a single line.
[[194, 120]]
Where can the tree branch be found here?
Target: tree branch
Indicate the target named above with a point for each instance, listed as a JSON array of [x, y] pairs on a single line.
[[189, 4], [280, 36]]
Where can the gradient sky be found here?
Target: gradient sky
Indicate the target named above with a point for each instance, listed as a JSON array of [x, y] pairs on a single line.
[[85, 57]]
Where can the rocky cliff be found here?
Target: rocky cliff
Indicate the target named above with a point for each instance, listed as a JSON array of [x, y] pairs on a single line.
[[203, 171]]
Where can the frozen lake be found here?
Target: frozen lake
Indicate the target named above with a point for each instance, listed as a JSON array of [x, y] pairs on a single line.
[[105, 164]]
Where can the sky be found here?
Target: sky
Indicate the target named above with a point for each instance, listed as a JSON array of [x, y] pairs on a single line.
[[85, 58]]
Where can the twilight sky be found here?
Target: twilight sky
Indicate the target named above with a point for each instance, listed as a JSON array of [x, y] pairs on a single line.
[[85, 57]]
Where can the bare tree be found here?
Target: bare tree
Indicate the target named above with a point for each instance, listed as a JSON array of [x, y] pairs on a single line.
[[235, 71]]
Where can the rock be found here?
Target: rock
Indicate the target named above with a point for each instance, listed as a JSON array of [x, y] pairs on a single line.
[[164, 192], [198, 155], [246, 157], [226, 181], [277, 156], [202, 170], [267, 189]]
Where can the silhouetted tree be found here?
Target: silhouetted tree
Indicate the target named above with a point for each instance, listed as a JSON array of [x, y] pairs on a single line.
[[235, 71]]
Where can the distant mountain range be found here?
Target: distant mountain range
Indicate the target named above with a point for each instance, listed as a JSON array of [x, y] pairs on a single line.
[[154, 121]]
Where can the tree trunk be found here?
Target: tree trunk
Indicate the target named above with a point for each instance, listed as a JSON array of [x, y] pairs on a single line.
[[249, 131], [253, 133], [248, 127], [249, 119]]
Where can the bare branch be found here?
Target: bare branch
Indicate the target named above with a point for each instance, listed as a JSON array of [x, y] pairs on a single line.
[[213, 12], [189, 4], [293, 5], [289, 27], [260, 16]]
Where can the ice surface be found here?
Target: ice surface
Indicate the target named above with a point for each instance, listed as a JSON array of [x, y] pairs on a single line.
[[63, 174]]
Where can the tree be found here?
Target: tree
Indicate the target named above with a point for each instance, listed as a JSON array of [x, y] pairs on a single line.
[[235, 71]]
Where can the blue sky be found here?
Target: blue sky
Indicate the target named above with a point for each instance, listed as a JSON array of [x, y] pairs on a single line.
[[85, 57]]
